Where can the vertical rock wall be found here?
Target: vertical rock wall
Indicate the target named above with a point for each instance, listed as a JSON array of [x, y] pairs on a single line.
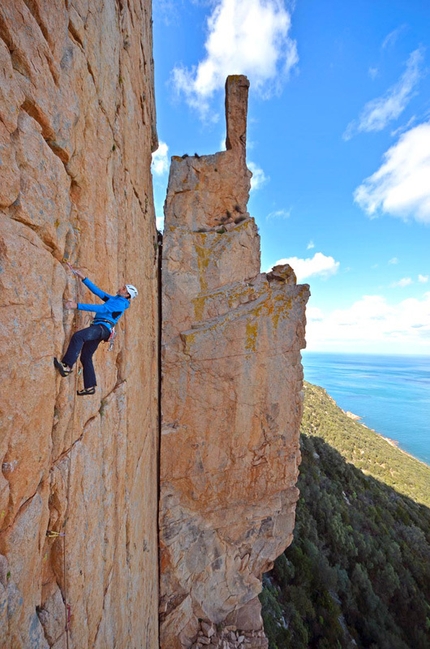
[[231, 400], [77, 127]]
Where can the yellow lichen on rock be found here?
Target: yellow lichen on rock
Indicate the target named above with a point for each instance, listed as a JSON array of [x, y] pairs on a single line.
[[251, 336]]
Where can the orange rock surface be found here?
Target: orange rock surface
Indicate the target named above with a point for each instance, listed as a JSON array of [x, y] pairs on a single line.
[[231, 399], [77, 127]]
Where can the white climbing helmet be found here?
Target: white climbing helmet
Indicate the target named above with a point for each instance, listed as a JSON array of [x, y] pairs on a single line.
[[132, 290]]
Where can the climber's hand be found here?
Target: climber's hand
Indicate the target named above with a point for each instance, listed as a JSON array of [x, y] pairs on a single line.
[[70, 305], [76, 271]]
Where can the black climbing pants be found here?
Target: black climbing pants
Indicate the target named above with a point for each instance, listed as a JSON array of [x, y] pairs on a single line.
[[85, 342]]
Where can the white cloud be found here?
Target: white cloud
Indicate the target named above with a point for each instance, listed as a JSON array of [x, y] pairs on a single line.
[[404, 127], [279, 214], [243, 38], [393, 260], [258, 176], [314, 314], [423, 279], [372, 324], [319, 264], [405, 281], [310, 245], [392, 37], [373, 73], [401, 185], [160, 160], [166, 11], [377, 113]]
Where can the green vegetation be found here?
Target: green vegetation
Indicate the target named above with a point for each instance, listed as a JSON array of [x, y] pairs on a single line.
[[358, 571]]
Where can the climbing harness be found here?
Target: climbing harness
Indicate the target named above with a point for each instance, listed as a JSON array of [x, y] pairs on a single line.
[[112, 336]]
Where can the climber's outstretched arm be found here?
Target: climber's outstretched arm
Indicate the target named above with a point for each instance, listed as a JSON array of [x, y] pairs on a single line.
[[89, 284], [96, 290], [95, 308]]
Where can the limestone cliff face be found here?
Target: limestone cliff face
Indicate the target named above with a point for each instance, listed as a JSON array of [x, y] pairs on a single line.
[[77, 127], [231, 400]]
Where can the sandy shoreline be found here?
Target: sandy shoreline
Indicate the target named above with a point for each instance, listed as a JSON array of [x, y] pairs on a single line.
[[389, 440]]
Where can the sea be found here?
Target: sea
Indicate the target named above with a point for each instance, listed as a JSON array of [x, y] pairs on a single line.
[[391, 394]]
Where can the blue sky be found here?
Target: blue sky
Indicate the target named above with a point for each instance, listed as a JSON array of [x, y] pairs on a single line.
[[338, 141]]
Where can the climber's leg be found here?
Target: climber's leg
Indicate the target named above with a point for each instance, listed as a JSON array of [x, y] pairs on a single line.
[[64, 369], [85, 391], [87, 352], [77, 342]]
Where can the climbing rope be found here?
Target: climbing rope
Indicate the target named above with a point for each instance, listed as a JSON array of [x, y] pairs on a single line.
[[68, 609], [51, 534]]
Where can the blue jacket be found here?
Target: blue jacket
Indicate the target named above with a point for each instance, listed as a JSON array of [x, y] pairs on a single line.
[[108, 313]]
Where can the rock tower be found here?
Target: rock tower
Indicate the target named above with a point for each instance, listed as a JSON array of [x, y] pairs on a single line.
[[231, 400]]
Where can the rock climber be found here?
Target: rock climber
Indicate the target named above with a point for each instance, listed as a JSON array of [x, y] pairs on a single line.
[[86, 341]]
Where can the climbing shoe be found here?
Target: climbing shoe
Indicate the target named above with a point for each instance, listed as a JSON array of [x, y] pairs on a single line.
[[83, 393], [63, 369]]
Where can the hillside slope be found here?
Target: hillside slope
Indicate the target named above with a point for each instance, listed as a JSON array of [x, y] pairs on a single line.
[[358, 571]]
